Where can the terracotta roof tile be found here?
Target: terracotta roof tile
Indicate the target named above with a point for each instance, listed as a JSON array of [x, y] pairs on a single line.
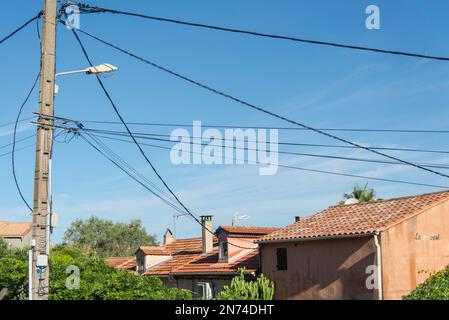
[[155, 250], [14, 229], [209, 264], [122, 263], [247, 230], [130, 264], [357, 219], [182, 251], [177, 260]]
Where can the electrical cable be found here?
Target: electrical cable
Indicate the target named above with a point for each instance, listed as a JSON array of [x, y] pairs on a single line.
[[116, 160], [257, 108], [130, 133], [13, 165], [17, 141], [137, 135], [285, 166], [18, 149], [91, 9], [273, 128], [303, 169], [280, 165], [13, 122], [143, 135], [21, 27], [116, 163], [13, 162], [267, 127], [146, 187], [111, 152]]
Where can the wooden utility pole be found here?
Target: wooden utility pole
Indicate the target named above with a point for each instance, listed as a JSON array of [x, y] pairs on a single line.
[[41, 205]]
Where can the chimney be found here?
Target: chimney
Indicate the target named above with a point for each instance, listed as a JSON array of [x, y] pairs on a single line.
[[168, 237], [208, 237], [297, 218]]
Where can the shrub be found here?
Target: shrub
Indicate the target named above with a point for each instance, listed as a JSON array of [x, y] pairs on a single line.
[[240, 289]]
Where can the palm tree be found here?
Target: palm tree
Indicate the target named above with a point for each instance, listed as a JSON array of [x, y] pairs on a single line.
[[364, 194]]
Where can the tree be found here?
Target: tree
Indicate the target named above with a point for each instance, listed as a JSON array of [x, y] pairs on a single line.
[[106, 238], [364, 194], [240, 289], [436, 287], [97, 280], [14, 271], [3, 247]]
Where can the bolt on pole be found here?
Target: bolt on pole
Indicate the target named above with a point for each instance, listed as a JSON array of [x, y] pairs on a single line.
[[44, 141]]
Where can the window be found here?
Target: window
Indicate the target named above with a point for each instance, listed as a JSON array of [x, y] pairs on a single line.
[[141, 266], [205, 290], [223, 250], [281, 254]]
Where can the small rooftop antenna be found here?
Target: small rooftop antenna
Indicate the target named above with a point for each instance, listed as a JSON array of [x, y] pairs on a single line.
[[237, 216], [176, 216]]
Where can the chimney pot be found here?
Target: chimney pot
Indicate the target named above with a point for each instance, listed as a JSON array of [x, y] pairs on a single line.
[[168, 237], [207, 233]]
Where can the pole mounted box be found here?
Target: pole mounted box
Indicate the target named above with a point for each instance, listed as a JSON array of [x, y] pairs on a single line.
[[42, 260]]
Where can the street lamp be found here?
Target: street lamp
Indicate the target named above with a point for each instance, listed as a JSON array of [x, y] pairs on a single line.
[[100, 69]]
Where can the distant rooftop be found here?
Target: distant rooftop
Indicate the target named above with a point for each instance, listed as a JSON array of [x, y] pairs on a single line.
[[14, 229], [243, 230]]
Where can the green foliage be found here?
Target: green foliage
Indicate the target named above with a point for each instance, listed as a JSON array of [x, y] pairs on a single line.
[[364, 194], [240, 289], [436, 287], [106, 238], [14, 271], [98, 280], [3, 247]]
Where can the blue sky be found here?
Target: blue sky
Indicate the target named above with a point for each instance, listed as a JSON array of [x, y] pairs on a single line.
[[319, 86]]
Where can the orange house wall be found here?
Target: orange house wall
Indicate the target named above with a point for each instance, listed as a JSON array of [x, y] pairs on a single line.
[[322, 269], [406, 262]]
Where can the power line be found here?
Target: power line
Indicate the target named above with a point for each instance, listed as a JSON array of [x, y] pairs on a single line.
[[94, 132], [308, 169], [267, 127], [260, 109], [121, 164], [13, 164], [131, 135], [18, 149], [430, 165], [88, 8], [13, 122], [152, 135], [125, 163], [19, 113], [102, 146], [17, 141], [21, 27], [92, 136]]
